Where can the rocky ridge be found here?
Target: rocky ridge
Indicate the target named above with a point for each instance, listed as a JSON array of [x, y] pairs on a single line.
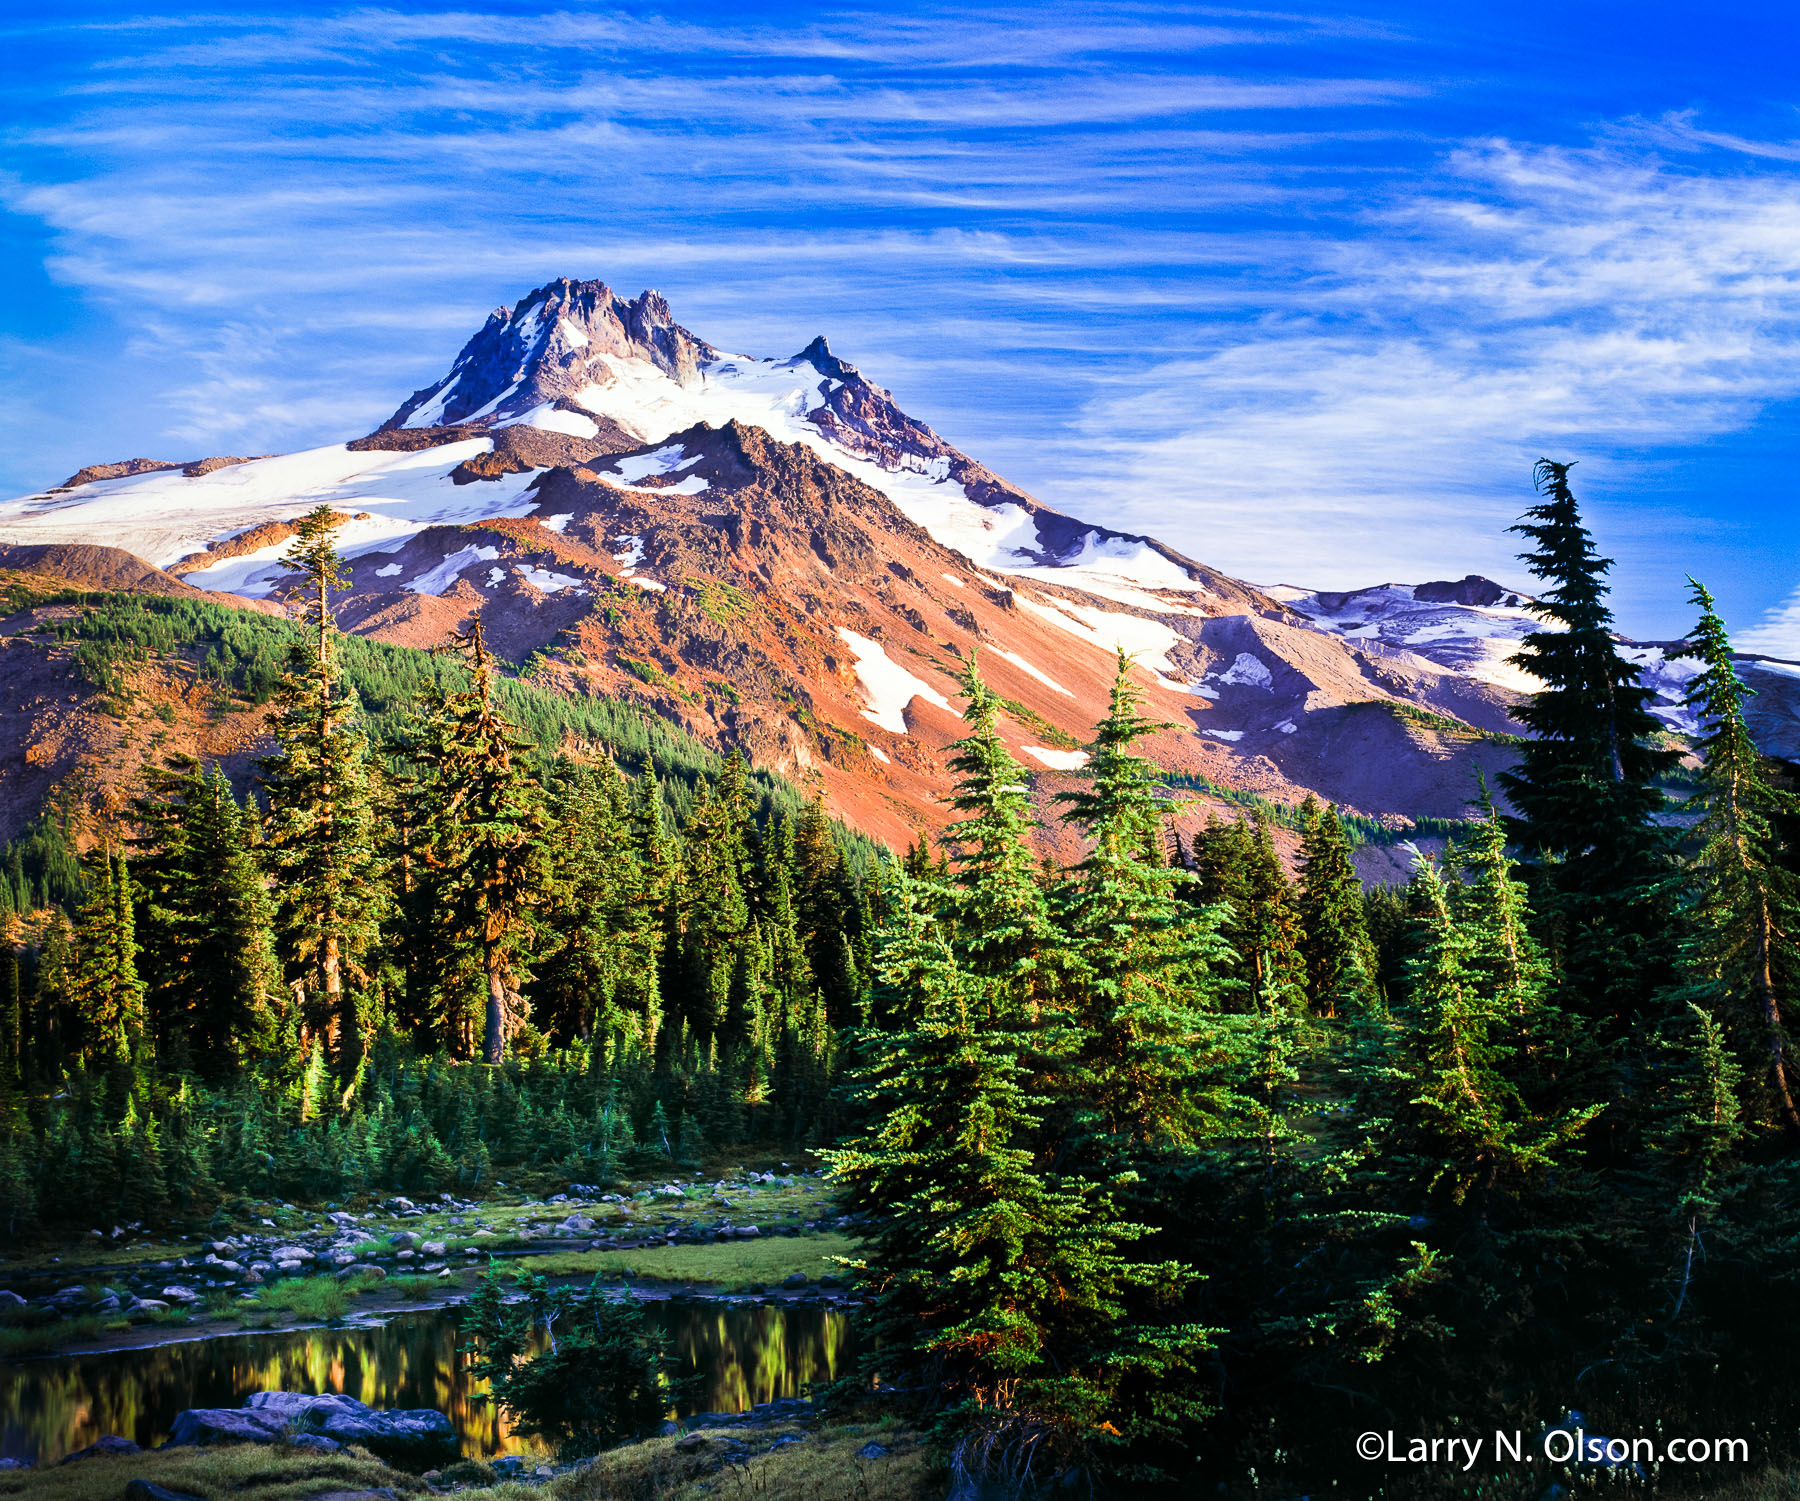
[[775, 555]]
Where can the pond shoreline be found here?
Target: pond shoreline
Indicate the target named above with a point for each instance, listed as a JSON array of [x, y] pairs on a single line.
[[743, 1351], [153, 1336]]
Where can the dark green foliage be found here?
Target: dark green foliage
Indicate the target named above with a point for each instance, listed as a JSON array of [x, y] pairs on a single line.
[[1336, 949], [1585, 791], [481, 852], [320, 840], [1741, 946], [606, 1376], [103, 987], [205, 925]]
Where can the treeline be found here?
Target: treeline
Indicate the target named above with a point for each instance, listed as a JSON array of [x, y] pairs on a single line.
[[285, 991], [1161, 1183]]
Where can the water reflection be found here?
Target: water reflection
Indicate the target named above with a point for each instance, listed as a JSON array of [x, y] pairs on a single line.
[[51, 1407]]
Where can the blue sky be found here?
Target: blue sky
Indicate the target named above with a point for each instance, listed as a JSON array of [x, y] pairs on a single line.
[[1301, 292]]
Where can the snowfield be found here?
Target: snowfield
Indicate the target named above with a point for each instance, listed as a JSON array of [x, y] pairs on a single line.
[[166, 516], [887, 686]]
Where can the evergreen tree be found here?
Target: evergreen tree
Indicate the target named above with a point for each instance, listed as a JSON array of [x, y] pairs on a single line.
[[321, 839], [486, 821], [1144, 979], [1742, 930], [1335, 942], [209, 964], [1001, 1287], [104, 987], [1585, 787], [1004, 931], [1493, 907], [1460, 1110]]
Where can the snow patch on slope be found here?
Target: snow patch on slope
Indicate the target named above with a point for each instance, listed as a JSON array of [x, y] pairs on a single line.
[[1149, 641], [445, 574], [549, 419], [1039, 674], [887, 686], [1059, 760]]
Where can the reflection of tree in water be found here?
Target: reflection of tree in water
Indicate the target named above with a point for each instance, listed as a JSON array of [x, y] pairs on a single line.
[[752, 1355], [52, 1406]]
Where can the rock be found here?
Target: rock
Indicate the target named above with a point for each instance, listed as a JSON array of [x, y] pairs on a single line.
[[223, 1425], [141, 1310], [110, 1444], [431, 1248], [418, 1434], [692, 1443], [316, 1443], [401, 1204], [405, 1255], [234, 1268], [872, 1450], [795, 1280], [186, 1296], [15, 1464], [403, 1240], [147, 1490], [10, 1299], [222, 1248], [290, 1253]]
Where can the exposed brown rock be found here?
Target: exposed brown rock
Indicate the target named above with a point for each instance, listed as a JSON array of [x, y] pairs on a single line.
[[122, 469]]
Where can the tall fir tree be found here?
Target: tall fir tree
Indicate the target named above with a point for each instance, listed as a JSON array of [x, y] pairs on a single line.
[[1005, 933], [1741, 936], [104, 987], [1145, 988], [1585, 788], [320, 844], [209, 964], [486, 821], [1000, 1286], [1335, 941]]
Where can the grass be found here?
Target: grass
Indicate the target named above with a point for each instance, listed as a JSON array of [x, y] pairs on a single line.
[[322, 1300], [244, 1472], [19, 1340], [822, 1466], [414, 1289], [729, 1264]]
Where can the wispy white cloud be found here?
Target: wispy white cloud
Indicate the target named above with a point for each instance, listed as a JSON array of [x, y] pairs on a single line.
[[1215, 274]]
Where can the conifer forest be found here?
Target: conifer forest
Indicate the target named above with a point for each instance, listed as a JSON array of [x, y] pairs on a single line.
[[1167, 1168]]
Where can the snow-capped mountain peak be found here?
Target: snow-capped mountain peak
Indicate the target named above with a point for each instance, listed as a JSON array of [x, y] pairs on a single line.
[[557, 340]]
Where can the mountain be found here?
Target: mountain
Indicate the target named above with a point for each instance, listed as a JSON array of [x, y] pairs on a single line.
[[773, 554]]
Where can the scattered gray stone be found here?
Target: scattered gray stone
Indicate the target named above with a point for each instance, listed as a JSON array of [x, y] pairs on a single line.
[[186, 1296], [404, 1240], [15, 1464], [10, 1299], [795, 1280], [431, 1248], [872, 1450], [109, 1444]]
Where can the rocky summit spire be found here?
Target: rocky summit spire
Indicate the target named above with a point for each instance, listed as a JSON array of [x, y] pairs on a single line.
[[557, 341]]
